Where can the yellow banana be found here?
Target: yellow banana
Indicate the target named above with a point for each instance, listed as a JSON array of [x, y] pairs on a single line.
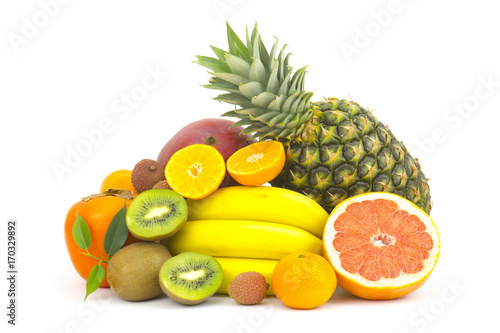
[[262, 203], [234, 266], [241, 238]]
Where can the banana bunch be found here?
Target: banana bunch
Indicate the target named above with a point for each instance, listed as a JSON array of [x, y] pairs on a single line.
[[250, 228], [263, 203]]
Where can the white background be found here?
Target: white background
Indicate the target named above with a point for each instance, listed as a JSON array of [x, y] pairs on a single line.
[[421, 68]]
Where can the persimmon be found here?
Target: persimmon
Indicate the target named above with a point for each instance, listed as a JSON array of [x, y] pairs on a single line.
[[119, 179], [98, 212]]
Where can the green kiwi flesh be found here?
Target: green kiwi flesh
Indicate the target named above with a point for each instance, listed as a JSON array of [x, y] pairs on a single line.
[[190, 278], [156, 214], [133, 270]]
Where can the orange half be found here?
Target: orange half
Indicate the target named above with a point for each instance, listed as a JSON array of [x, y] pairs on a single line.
[[381, 245], [195, 171], [257, 163]]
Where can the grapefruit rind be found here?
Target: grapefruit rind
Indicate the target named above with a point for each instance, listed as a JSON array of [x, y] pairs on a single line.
[[384, 288]]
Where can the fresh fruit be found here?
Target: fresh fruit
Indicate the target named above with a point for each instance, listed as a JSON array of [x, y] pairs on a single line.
[[258, 163], [213, 132], [242, 239], [381, 245], [190, 278], [156, 214], [146, 174], [119, 179], [133, 271], [163, 184], [98, 213], [195, 171], [248, 288], [303, 280], [231, 267], [335, 148], [264, 203]]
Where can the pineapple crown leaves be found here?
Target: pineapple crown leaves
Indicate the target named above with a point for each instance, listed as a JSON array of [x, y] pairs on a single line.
[[270, 96]]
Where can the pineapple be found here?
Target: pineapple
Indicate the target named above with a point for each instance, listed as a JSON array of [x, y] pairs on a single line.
[[335, 148]]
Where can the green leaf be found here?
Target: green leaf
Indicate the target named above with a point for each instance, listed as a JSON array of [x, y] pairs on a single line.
[[95, 278], [273, 84], [288, 102], [221, 54], [249, 42], [234, 99], [81, 233], [272, 54], [211, 63], [284, 84], [237, 65], [235, 115], [220, 84], [252, 89], [264, 56], [117, 232], [262, 100], [232, 78], [281, 57], [236, 46], [258, 72]]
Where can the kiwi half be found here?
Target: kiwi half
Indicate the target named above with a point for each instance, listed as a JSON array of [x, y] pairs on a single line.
[[190, 278], [156, 214]]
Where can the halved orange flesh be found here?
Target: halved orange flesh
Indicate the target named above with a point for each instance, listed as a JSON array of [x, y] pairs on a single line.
[[381, 245], [257, 163], [195, 171]]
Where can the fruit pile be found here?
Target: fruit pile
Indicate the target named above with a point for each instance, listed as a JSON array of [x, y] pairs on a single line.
[[347, 204]]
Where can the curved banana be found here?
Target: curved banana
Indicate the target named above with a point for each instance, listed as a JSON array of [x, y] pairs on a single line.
[[261, 203], [234, 266], [243, 239]]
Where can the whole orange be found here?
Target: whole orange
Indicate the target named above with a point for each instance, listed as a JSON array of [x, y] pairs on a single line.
[[303, 280], [98, 213], [120, 179]]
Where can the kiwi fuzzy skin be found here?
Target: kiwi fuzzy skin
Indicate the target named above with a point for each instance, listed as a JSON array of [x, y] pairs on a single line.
[[133, 270]]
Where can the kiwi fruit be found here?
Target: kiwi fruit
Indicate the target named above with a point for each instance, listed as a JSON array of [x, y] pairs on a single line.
[[156, 214], [190, 278], [146, 174], [133, 270]]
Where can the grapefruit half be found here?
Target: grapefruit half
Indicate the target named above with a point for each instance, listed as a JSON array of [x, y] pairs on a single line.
[[381, 245]]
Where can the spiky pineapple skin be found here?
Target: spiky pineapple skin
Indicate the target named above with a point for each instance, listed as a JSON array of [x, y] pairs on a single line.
[[344, 151]]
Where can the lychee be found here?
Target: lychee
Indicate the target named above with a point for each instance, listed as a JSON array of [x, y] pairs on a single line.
[[146, 174], [248, 288]]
